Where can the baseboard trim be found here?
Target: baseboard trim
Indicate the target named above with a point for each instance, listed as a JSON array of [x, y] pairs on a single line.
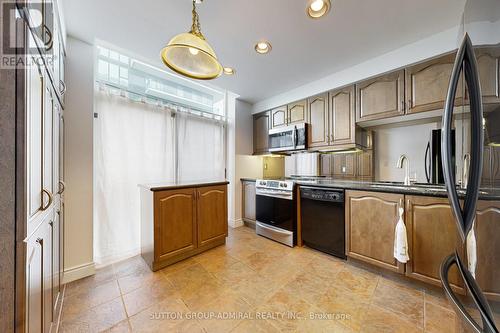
[[78, 272], [236, 223]]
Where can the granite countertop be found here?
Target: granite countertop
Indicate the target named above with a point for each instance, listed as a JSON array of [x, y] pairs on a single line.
[[175, 185], [391, 187]]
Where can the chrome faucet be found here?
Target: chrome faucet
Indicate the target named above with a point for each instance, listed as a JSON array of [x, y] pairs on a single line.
[[465, 170], [399, 165]]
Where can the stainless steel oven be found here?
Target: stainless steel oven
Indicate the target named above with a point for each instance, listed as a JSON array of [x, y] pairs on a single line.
[[276, 211], [288, 138]]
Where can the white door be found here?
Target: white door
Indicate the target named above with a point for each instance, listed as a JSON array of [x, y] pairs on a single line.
[[34, 100]]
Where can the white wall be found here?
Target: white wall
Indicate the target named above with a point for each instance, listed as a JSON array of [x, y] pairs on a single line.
[[440, 43], [78, 152], [391, 143]]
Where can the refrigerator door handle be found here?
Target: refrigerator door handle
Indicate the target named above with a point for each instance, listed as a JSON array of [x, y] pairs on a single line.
[[472, 289], [464, 216], [427, 165]]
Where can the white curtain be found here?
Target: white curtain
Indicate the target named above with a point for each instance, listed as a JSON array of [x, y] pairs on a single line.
[[133, 145], [200, 149]]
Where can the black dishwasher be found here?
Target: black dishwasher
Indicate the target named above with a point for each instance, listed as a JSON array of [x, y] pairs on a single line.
[[322, 215]]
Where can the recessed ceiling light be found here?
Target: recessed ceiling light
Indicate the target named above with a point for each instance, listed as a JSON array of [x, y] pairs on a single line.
[[229, 71], [317, 8], [263, 47]]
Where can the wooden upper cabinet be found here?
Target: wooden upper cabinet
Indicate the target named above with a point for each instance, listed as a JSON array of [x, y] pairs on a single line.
[[261, 123], [427, 85], [342, 115], [432, 236], [489, 73], [318, 120], [371, 218], [279, 117], [175, 223], [297, 112], [380, 97], [212, 214], [486, 230]]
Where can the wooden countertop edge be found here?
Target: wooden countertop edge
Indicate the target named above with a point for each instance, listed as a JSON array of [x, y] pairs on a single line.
[[158, 188]]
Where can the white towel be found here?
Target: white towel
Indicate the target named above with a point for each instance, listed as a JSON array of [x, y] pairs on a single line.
[[400, 240], [472, 251]]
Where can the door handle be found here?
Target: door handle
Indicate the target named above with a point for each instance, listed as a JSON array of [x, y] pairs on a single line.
[[62, 187], [464, 216], [44, 191]]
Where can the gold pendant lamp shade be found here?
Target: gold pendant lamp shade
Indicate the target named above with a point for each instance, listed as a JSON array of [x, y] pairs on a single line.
[[189, 54]]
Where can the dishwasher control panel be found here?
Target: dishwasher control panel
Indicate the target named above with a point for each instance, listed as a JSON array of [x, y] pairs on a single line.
[[322, 194]]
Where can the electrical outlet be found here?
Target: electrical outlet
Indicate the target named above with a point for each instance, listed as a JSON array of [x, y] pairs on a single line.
[[344, 169]]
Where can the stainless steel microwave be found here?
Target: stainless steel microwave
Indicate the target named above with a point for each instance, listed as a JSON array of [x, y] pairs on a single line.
[[288, 138]]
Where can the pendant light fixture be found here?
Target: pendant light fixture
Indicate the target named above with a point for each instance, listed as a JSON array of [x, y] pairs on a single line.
[[189, 53]]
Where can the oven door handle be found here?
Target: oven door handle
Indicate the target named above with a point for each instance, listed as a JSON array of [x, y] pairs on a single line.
[[284, 195], [270, 227]]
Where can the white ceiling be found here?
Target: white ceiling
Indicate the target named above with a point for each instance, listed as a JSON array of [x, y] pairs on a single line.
[[303, 49]]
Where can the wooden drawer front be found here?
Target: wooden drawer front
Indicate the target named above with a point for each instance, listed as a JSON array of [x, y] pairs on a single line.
[[318, 119], [427, 85], [487, 229], [175, 223], [432, 236], [371, 220], [212, 214], [381, 97]]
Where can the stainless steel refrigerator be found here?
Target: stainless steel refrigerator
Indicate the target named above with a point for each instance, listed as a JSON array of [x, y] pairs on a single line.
[[472, 179]]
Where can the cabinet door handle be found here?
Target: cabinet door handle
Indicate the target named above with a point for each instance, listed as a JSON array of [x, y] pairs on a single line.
[[63, 89], [62, 187], [403, 106], [51, 223], [50, 199], [50, 42], [40, 241]]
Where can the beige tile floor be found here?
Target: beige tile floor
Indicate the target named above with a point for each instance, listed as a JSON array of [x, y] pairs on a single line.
[[252, 284]]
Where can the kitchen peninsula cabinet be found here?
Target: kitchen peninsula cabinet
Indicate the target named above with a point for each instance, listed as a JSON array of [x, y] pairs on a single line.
[[427, 85], [181, 220], [380, 97], [261, 124], [432, 236], [371, 218]]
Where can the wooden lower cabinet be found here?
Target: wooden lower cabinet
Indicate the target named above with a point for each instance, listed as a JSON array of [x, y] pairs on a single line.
[[212, 215], [371, 218], [175, 223], [487, 230], [432, 236], [182, 222]]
